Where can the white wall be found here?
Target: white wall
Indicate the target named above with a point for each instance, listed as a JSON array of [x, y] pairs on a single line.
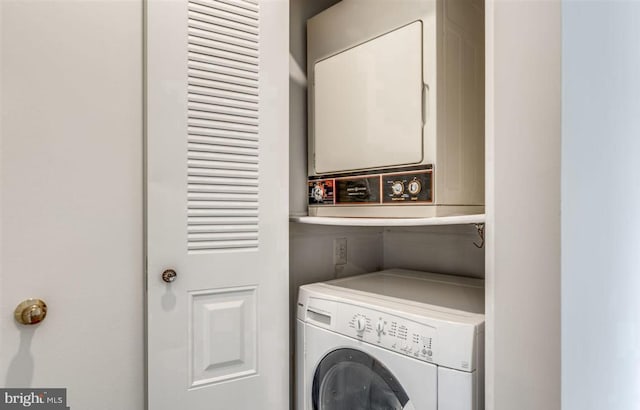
[[311, 254], [601, 206], [71, 198], [311, 250], [440, 249], [523, 204]]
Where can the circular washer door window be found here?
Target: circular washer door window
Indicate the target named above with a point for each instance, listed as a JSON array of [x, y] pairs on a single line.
[[349, 379]]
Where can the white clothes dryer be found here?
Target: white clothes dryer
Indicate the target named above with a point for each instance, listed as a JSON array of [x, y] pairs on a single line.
[[391, 340]]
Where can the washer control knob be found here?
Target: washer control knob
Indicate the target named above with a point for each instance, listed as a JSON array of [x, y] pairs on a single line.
[[380, 327], [397, 188], [361, 324], [414, 187]]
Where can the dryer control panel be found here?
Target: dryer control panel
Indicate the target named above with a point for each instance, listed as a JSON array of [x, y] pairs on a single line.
[[385, 330]]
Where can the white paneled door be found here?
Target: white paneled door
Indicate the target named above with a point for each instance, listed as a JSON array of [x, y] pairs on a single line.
[[70, 201], [217, 199]]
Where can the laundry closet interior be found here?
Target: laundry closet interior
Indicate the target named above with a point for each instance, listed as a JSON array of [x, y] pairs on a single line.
[[327, 248]]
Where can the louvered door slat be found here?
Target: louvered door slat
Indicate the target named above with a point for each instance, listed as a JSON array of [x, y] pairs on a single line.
[[222, 125], [234, 7], [221, 212], [196, 14], [249, 109], [216, 41], [198, 229], [200, 140], [220, 147], [216, 222], [224, 35], [210, 113], [222, 54], [201, 182], [217, 9], [214, 61], [224, 158], [206, 197], [242, 4], [222, 236], [222, 189], [221, 171], [223, 77], [223, 120], [217, 93], [222, 69], [202, 247], [223, 109]]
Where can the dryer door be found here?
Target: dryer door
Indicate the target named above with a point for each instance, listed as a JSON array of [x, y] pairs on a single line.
[[349, 379]]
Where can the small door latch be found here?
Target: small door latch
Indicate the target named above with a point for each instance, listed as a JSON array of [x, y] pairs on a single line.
[[169, 275]]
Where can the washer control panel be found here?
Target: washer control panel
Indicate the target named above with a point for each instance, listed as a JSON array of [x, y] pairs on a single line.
[[392, 332]]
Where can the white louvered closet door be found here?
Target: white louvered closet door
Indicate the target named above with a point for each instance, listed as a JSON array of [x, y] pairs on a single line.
[[217, 204]]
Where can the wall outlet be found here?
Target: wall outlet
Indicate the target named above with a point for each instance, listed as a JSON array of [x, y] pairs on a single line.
[[340, 251]]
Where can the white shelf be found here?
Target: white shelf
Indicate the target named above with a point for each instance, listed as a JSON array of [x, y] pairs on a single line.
[[440, 220]]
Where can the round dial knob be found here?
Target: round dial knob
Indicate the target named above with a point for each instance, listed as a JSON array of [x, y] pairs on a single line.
[[380, 327], [360, 324], [318, 193], [414, 187], [397, 188]]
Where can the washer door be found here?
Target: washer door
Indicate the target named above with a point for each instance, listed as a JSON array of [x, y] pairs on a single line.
[[349, 379]]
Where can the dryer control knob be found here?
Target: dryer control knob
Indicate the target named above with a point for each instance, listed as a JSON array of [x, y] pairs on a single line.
[[361, 324], [397, 188], [380, 327], [415, 187]]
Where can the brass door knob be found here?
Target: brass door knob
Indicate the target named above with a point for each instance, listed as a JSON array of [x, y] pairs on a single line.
[[30, 311], [169, 275]]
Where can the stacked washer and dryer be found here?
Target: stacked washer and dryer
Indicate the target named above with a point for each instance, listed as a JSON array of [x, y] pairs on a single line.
[[391, 340], [396, 130]]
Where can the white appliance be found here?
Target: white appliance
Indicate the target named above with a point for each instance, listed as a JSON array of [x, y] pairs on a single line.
[[396, 108], [391, 340]]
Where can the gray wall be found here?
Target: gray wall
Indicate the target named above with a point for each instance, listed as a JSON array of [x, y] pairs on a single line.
[[601, 205], [300, 11]]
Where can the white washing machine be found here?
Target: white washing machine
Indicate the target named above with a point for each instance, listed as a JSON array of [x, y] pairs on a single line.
[[391, 340]]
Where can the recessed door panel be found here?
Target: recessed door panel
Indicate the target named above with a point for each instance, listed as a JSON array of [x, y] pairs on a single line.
[[223, 335]]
